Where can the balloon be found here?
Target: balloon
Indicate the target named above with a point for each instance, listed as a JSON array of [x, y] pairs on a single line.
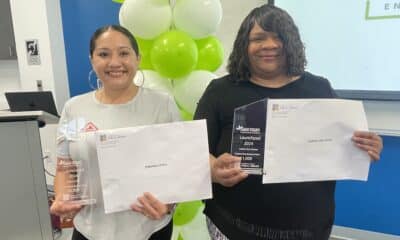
[[180, 237], [153, 80], [144, 50], [146, 18], [199, 18], [211, 54], [174, 54], [118, 1], [121, 21], [189, 89], [186, 116], [185, 212]]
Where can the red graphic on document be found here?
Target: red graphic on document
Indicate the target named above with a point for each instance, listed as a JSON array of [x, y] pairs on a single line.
[[90, 127]]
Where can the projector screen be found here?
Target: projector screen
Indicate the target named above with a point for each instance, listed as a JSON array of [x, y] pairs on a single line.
[[355, 44]]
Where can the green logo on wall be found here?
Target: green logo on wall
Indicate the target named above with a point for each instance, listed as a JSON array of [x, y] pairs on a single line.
[[378, 9]]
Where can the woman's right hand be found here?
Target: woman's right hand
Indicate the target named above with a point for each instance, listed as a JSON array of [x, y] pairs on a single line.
[[151, 207], [226, 170], [65, 208]]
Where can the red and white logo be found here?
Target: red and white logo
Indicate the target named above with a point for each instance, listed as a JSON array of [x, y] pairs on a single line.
[[90, 127]]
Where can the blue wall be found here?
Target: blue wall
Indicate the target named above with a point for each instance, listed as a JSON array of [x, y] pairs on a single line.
[[80, 19], [372, 205]]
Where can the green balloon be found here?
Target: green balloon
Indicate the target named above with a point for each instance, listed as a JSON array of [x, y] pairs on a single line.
[[180, 237], [118, 1], [144, 50], [186, 116], [174, 54], [211, 54], [185, 212]]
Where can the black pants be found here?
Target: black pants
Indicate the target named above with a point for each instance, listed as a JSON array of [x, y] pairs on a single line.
[[163, 234]]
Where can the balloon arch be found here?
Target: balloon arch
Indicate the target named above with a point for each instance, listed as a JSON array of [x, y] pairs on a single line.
[[178, 50], [179, 54]]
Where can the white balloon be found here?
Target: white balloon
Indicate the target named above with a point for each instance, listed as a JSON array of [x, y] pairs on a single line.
[[188, 90], [198, 18], [151, 79], [146, 18], [121, 21]]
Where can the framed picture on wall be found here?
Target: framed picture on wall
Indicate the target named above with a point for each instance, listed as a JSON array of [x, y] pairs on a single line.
[[32, 51]]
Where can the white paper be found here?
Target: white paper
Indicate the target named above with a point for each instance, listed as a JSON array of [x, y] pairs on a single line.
[[310, 140], [171, 161]]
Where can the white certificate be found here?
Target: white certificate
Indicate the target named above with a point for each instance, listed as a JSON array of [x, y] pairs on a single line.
[[170, 160], [310, 140]]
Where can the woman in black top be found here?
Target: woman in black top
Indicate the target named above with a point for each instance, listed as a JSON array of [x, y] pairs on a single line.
[[267, 61]]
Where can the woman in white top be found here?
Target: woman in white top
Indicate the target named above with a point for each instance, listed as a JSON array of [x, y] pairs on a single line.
[[115, 58]]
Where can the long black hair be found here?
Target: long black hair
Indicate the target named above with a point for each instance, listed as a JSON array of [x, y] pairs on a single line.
[[124, 31], [271, 19]]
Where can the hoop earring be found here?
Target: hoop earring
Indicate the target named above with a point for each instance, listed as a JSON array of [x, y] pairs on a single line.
[[98, 82], [139, 81]]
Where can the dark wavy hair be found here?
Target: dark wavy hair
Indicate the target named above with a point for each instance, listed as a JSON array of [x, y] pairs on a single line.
[[271, 19], [124, 31]]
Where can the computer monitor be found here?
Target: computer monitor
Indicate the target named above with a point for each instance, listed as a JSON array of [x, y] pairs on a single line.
[[31, 101]]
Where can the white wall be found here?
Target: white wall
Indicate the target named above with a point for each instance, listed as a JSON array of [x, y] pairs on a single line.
[[41, 19], [383, 117], [9, 79], [233, 13], [57, 47]]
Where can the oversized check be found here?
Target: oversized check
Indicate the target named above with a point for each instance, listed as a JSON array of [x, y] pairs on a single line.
[[170, 160], [310, 140]]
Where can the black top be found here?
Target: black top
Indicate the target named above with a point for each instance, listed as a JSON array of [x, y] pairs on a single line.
[[238, 211]]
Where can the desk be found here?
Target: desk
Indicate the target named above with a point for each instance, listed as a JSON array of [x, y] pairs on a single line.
[[24, 210]]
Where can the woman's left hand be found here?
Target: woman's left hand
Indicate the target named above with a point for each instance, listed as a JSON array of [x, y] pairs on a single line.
[[151, 207], [369, 142]]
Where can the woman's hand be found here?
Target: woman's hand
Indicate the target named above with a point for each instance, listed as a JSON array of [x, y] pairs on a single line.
[[151, 207], [369, 142], [65, 208], [226, 171]]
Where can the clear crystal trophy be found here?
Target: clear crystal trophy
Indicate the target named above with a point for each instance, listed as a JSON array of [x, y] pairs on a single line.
[[248, 136], [76, 188], [75, 191]]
